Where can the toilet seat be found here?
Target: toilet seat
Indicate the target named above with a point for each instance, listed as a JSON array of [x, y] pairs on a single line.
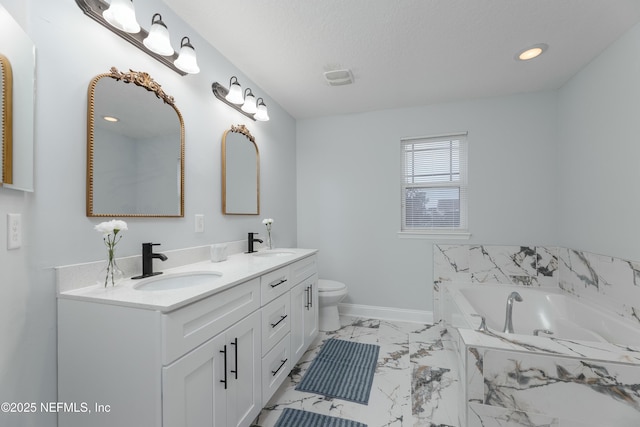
[[325, 285]]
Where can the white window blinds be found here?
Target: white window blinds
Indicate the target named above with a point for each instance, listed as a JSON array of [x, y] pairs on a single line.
[[434, 183]]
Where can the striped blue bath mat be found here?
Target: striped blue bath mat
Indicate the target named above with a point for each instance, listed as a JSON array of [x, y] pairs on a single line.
[[342, 369], [296, 418]]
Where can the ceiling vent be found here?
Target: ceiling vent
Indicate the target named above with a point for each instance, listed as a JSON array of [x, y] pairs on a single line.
[[338, 77]]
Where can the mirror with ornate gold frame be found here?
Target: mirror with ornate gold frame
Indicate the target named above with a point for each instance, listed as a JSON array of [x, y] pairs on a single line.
[[135, 148], [6, 121], [240, 172]]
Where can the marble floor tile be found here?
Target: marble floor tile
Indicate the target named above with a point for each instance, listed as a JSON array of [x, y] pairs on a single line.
[[415, 384]]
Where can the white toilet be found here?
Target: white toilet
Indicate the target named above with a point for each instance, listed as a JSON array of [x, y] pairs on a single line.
[[330, 293]]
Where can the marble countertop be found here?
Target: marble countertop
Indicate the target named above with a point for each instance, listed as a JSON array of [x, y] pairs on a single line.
[[238, 268]]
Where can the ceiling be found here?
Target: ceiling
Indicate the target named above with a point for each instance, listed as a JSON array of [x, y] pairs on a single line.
[[404, 53]]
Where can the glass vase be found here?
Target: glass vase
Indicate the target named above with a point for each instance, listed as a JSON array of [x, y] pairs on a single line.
[[111, 273], [269, 241]]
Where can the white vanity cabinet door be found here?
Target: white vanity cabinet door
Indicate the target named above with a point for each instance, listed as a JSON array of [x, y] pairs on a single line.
[[304, 316], [244, 399], [192, 391], [217, 384]]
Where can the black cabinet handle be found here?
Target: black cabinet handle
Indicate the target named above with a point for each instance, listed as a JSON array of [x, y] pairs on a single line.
[[224, 381], [235, 345], [273, 325], [279, 367], [311, 295], [306, 303], [273, 285]]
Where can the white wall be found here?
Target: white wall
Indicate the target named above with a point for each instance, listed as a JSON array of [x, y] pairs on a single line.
[[599, 153], [71, 50], [349, 189]]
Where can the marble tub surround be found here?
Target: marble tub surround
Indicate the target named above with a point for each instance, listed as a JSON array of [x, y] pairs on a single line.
[[536, 389], [521, 380], [611, 282], [415, 382], [518, 265], [79, 281]]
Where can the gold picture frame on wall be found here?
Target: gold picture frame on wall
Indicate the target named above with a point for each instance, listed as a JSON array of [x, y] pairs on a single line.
[[6, 119]]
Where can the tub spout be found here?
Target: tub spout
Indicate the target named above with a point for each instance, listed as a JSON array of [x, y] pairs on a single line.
[[508, 321]]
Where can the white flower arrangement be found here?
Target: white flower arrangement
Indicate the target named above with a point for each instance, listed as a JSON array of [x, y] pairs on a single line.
[[268, 222], [109, 231]]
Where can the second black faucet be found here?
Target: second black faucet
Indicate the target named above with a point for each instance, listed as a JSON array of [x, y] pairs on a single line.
[[250, 242]]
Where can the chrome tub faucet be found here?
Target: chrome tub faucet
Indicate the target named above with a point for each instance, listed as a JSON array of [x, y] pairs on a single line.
[[508, 321]]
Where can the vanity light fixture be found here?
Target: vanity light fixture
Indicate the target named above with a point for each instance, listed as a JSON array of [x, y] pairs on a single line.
[[158, 39], [110, 15], [234, 95], [531, 52], [249, 105], [110, 119], [261, 115], [122, 15], [187, 57]]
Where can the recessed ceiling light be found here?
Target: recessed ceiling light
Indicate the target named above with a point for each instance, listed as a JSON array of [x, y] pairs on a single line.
[[531, 52], [110, 118]]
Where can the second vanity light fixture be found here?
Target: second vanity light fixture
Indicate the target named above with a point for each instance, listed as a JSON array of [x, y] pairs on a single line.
[[119, 16], [246, 104]]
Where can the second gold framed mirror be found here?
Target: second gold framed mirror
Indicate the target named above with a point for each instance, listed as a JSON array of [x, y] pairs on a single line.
[[240, 172]]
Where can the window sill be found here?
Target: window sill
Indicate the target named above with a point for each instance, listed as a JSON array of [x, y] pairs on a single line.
[[454, 235]]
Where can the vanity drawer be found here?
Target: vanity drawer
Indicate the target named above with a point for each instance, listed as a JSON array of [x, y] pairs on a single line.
[[274, 284], [190, 326], [302, 269], [276, 318], [276, 366]]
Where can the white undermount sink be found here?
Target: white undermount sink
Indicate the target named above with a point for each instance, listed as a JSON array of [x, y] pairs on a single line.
[[178, 281], [272, 253]]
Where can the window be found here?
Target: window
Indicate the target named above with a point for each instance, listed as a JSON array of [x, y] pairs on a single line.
[[434, 185]]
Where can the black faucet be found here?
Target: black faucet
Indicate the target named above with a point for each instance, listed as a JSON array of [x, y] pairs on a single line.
[[147, 260], [250, 241]]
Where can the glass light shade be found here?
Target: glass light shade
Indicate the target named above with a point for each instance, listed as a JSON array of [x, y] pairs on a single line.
[[235, 92], [158, 39], [187, 58], [261, 115], [122, 15], [249, 105]]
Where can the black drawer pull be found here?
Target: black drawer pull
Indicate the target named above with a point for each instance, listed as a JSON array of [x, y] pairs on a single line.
[[306, 303], [279, 367], [273, 285], [273, 325], [224, 381], [235, 345]]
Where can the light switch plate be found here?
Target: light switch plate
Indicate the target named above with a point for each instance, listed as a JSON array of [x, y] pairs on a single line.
[[14, 231], [199, 223]]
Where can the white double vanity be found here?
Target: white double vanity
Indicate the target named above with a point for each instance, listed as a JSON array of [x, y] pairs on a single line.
[[203, 344]]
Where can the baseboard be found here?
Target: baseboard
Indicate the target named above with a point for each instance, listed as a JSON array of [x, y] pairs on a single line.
[[386, 313]]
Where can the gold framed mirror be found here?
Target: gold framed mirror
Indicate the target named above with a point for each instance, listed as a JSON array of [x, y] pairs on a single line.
[[240, 172], [6, 121], [135, 148], [20, 52]]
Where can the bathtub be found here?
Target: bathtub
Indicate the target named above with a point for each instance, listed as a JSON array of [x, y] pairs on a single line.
[[566, 316], [593, 355]]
